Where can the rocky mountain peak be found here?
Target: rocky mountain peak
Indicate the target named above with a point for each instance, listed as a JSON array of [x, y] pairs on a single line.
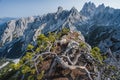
[[73, 9], [109, 10], [100, 9], [60, 9], [88, 9], [101, 6]]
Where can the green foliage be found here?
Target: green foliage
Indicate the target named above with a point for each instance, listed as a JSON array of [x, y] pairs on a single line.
[[97, 55], [41, 59], [42, 42], [26, 65], [15, 66], [30, 47], [111, 67], [65, 31], [33, 71], [37, 49], [28, 56], [42, 37], [51, 37], [31, 77], [82, 45], [40, 76], [25, 69]]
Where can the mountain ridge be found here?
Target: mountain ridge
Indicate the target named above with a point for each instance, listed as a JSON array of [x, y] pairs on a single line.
[[27, 29]]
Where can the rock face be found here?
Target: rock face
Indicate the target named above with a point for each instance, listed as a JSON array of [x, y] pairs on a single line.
[[19, 33]]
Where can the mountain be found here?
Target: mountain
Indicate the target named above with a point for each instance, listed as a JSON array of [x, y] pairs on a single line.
[[88, 9], [62, 45], [17, 34]]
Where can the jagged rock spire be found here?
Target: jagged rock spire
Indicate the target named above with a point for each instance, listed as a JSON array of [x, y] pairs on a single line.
[[100, 8], [73, 9], [60, 9], [88, 9]]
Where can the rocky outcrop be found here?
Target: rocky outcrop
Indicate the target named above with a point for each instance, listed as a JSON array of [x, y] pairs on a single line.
[[71, 60]]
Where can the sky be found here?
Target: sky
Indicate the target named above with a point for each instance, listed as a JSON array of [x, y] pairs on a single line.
[[25, 8]]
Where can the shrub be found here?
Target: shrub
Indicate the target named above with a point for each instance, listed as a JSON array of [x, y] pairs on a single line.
[[97, 55]]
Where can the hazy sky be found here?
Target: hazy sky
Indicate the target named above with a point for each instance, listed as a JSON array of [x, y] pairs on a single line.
[[24, 8]]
